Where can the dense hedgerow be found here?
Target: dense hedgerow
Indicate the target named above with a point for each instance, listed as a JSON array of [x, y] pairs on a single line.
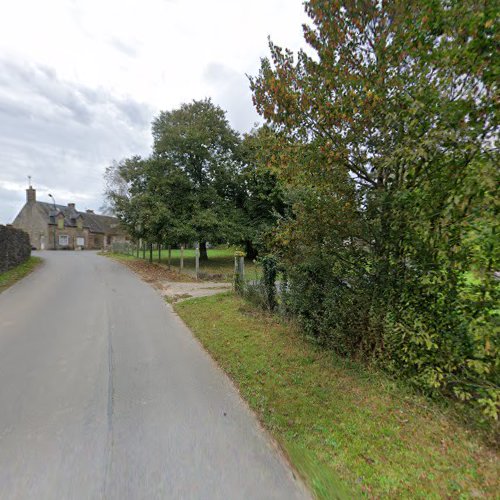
[[387, 145]]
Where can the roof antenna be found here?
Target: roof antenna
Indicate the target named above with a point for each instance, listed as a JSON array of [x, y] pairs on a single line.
[[29, 181]]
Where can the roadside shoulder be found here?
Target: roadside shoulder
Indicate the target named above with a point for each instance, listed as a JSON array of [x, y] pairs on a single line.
[[19, 272]]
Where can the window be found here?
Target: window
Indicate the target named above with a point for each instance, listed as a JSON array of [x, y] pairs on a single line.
[[63, 240], [80, 242], [60, 222]]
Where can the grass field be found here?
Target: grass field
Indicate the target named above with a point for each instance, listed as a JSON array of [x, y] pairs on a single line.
[[10, 277], [349, 431], [220, 265]]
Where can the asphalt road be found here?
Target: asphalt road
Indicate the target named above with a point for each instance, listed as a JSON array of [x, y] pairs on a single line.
[[104, 393]]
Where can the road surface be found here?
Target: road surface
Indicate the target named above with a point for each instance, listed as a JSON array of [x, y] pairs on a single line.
[[104, 393]]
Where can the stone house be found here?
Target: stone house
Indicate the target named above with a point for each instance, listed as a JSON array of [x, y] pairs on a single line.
[[60, 227]]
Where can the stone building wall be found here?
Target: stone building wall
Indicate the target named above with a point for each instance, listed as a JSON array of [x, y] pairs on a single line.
[[72, 234], [37, 219], [34, 223], [15, 247]]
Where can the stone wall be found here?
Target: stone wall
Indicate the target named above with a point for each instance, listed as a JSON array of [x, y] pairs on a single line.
[[15, 247]]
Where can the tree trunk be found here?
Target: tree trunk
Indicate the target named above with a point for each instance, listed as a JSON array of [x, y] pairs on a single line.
[[150, 252], [159, 252], [203, 251], [250, 251]]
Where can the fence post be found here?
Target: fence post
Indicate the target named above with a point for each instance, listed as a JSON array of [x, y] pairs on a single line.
[[197, 258], [242, 267], [169, 255], [159, 252], [182, 257], [239, 271]]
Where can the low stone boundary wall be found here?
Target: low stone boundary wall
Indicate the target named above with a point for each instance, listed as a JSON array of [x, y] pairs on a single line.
[[15, 247]]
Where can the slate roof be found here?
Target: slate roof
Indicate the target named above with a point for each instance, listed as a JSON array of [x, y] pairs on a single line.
[[94, 222]]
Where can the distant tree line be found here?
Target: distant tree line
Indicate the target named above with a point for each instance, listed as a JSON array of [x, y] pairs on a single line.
[[373, 186]]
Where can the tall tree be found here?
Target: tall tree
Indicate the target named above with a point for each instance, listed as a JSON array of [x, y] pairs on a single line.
[[197, 139]]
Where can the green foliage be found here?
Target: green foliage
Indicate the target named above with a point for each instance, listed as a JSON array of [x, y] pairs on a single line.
[[386, 139], [262, 291], [197, 140], [201, 183], [152, 198], [185, 191], [261, 199]]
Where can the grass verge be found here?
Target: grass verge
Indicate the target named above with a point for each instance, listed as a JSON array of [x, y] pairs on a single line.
[[348, 431], [13, 275]]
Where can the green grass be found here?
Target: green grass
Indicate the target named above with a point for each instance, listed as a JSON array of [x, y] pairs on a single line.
[[13, 275], [220, 265], [349, 431]]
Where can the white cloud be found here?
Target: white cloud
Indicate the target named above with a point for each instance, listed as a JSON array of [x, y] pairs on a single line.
[[80, 80], [63, 135]]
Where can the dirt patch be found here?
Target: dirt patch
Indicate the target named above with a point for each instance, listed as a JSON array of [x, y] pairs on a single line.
[[152, 272], [176, 292]]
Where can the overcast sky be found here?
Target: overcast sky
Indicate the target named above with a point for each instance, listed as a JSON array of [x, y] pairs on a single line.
[[81, 80]]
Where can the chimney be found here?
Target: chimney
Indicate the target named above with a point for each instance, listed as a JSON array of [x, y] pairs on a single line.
[[30, 195], [89, 211], [71, 205]]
